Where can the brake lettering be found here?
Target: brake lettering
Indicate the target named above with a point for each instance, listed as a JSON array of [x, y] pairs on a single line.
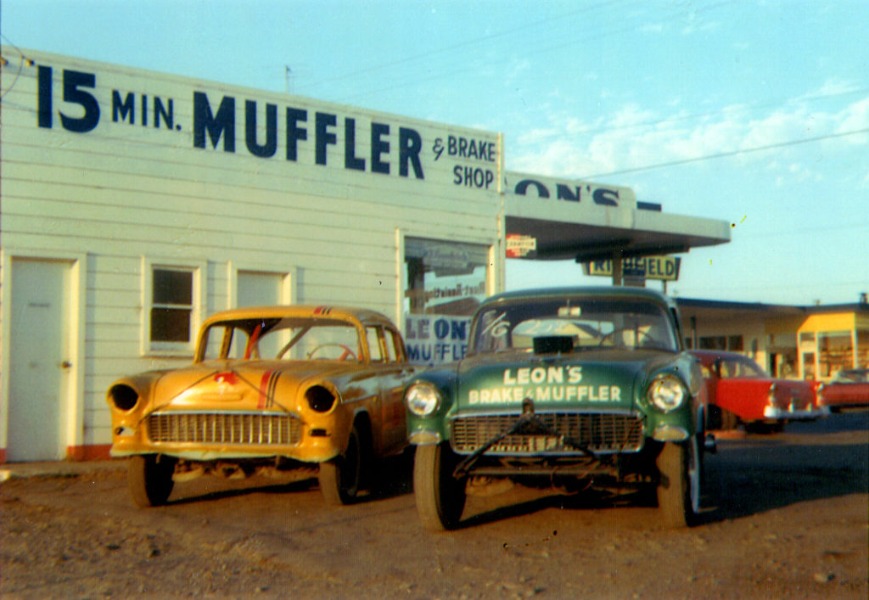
[[547, 393]]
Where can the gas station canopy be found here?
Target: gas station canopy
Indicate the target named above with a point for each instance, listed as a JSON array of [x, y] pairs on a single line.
[[555, 220]]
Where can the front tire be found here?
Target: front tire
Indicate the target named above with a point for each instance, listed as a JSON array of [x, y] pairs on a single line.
[[679, 466], [150, 479], [440, 497], [341, 478]]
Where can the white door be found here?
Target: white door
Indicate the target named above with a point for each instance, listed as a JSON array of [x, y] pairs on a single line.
[[40, 355]]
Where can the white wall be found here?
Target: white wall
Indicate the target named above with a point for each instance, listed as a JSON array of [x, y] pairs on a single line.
[[125, 192]]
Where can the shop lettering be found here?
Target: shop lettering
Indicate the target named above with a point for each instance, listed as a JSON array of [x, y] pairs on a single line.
[[569, 193], [553, 393], [83, 109], [544, 384], [421, 328], [437, 353], [475, 177], [462, 147], [538, 375], [211, 126], [328, 138], [435, 340], [459, 147]]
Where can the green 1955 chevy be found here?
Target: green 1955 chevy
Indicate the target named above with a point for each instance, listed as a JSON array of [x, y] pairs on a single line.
[[578, 388]]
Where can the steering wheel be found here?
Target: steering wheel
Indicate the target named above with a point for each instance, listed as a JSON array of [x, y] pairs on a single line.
[[643, 337], [347, 353]]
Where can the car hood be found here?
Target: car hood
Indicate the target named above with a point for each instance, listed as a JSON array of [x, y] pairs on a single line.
[[599, 380], [239, 385]]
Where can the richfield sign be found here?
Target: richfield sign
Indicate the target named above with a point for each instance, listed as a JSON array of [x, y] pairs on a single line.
[[662, 268]]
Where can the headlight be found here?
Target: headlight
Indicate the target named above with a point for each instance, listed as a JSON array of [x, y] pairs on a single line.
[[320, 399], [123, 397], [666, 392], [422, 399]]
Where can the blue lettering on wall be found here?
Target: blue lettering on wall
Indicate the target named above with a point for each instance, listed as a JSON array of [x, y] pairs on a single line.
[[351, 161], [563, 192], [379, 148], [164, 114], [605, 197], [75, 84], [324, 136], [123, 110], [250, 128], [221, 124], [391, 150], [294, 132], [522, 188], [599, 195], [410, 145]]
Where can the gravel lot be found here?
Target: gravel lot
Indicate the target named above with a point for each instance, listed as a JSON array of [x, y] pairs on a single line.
[[787, 516]]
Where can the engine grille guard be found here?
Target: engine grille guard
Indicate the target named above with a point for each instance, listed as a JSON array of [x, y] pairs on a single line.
[[527, 424]]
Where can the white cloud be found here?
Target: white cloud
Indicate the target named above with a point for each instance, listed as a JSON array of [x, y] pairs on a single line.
[[854, 118], [635, 137]]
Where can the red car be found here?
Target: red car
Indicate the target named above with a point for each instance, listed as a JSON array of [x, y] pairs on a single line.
[[849, 389], [741, 392]]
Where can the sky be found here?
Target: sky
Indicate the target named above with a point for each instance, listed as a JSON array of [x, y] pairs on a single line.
[[754, 112]]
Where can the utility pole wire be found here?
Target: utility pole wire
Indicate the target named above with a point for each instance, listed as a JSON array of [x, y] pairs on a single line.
[[674, 163]]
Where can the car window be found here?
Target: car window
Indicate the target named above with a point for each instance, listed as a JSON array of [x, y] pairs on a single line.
[[393, 349], [856, 376], [285, 339], [742, 368], [374, 347], [607, 323]]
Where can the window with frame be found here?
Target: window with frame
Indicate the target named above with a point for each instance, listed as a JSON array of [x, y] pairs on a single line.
[[171, 308], [836, 352], [444, 277]]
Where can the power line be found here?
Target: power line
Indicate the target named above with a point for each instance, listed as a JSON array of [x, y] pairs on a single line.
[[450, 71], [461, 46], [685, 161]]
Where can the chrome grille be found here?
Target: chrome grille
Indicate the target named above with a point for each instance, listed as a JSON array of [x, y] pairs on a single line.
[[269, 429], [599, 432]]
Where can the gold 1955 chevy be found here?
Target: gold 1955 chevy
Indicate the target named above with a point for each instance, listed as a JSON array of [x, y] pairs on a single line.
[[270, 390]]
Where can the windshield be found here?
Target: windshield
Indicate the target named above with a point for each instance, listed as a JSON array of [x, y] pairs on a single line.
[[282, 339], [740, 367], [589, 323], [853, 376]]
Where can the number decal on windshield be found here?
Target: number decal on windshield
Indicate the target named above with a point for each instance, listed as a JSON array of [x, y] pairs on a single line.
[[499, 327]]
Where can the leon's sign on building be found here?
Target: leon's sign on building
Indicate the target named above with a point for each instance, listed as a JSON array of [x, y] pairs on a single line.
[[663, 268]]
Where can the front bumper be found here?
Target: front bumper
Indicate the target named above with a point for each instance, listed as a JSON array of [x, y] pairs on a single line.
[[792, 414], [209, 435]]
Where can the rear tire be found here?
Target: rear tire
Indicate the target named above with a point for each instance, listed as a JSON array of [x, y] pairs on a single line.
[[150, 479], [341, 479], [679, 467], [440, 497]]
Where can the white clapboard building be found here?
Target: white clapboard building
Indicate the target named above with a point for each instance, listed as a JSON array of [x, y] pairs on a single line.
[[135, 204]]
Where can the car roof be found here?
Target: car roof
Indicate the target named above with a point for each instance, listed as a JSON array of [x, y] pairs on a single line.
[[591, 291], [711, 355], [343, 313]]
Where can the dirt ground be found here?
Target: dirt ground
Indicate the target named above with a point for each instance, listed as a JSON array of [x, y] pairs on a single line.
[[786, 516]]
